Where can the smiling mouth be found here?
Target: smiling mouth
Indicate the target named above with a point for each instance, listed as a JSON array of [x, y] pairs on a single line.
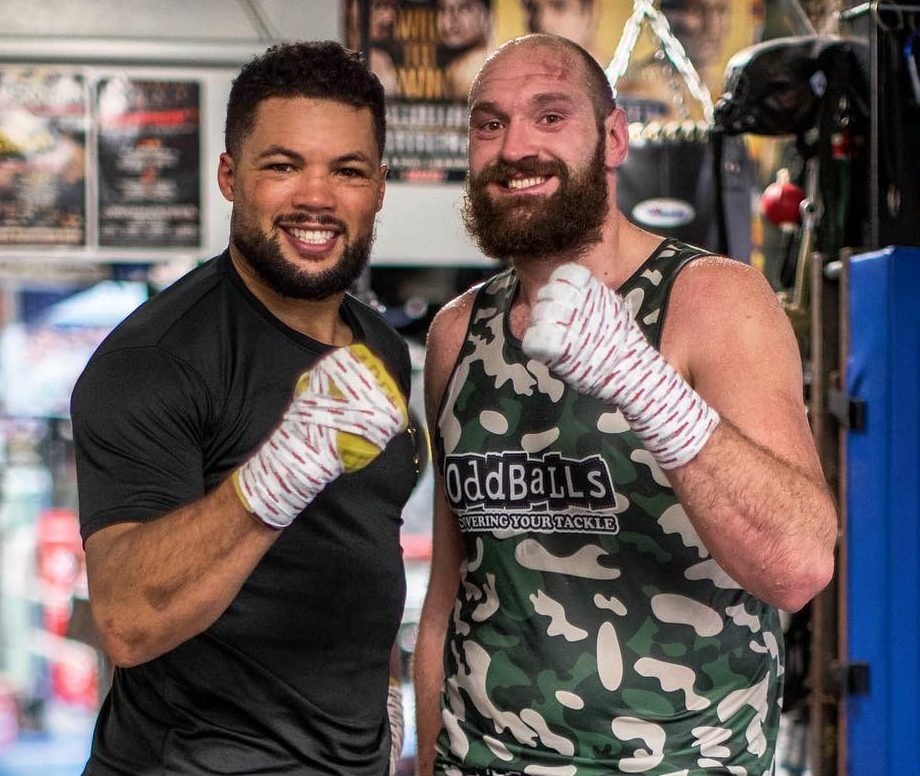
[[522, 184], [312, 236]]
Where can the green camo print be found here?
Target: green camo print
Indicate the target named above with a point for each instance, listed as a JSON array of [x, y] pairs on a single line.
[[589, 636]]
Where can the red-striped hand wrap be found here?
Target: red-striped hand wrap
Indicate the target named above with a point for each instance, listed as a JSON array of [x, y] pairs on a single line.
[[585, 333], [345, 411]]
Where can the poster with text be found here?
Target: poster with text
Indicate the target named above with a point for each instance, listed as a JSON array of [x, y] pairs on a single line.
[[43, 120], [427, 52], [148, 161], [425, 55]]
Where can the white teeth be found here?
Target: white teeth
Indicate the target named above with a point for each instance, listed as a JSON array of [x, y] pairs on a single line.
[[525, 183], [317, 236]]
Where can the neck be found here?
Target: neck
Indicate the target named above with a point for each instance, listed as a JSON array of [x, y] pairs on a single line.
[[319, 319], [612, 259]]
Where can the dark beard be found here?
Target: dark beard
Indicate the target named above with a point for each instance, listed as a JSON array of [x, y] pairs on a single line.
[[566, 223], [263, 254]]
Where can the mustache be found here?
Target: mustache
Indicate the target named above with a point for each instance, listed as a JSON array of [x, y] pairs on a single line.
[[306, 219], [501, 171]]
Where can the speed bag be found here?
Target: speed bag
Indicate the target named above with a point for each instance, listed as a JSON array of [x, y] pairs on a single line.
[[666, 185]]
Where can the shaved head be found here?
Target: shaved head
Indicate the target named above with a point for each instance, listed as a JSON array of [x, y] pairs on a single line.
[[592, 76]]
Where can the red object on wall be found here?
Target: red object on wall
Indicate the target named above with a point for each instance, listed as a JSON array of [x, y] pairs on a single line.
[[61, 571], [60, 551], [781, 201]]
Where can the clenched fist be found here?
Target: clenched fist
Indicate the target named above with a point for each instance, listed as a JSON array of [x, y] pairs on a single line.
[[344, 412]]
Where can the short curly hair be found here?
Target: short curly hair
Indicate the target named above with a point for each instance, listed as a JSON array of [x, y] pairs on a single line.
[[315, 69]]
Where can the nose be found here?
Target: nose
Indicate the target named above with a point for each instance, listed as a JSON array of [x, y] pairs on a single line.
[[314, 191], [518, 142]]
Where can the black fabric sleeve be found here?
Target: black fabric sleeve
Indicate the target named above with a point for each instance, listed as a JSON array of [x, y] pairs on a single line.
[[139, 423]]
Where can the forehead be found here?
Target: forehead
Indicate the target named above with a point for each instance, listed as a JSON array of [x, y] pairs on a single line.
[[519, 74], [302, 123]]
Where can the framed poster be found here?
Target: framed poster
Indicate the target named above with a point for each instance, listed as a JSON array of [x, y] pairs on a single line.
[[43, 120], [427, 52], [148, 162]]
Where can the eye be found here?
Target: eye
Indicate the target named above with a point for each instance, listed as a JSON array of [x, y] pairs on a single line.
[[489, 125], [352, 172], [279, 166], [550, 118]]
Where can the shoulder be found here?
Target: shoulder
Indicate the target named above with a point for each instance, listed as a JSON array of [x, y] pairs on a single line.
[[151, 356], [726, 322], [137, 375], [449, 327], [186, 307], [446, 335], [132, 399], [715, 290]]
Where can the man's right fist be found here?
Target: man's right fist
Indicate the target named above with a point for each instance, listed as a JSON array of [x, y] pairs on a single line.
[[345, 410]]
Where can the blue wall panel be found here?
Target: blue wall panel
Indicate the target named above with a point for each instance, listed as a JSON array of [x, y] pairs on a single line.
[[883, 513]]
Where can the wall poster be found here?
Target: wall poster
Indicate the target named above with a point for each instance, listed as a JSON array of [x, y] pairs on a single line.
[[148, 162], [427, 52], [43, 122]]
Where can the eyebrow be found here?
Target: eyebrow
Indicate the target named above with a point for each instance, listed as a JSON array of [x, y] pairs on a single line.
[[538, 101], [488, 107], [552, 98]]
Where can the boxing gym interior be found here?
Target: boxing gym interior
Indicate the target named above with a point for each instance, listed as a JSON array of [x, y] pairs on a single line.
[[789, 141]]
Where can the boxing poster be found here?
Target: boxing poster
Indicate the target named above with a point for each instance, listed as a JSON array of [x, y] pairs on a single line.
[[427, 52], [43, 121], [148, 162]]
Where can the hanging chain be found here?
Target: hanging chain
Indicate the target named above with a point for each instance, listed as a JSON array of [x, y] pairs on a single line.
[[673, 49]]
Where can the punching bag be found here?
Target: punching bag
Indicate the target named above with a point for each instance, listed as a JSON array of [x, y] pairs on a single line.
[[667, 182]]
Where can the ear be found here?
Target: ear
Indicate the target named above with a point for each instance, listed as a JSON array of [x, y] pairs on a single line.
[[225, 176], [616, 135], [382, 186]]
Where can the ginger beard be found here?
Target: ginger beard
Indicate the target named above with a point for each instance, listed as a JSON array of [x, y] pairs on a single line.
[[566, 222], [263, 253]]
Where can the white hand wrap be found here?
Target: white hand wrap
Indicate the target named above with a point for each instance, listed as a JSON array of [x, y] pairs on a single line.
[[345, 411], [397, 724], [585, 334]]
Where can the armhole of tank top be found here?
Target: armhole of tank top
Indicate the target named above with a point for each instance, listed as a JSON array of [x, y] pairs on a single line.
[[666, 300], [453, 370]]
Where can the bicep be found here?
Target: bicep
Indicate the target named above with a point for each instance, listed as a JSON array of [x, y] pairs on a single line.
[[444, 342], [98, 550], [446, 556], [747, 366]]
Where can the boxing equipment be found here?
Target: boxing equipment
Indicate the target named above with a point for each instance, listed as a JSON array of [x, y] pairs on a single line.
[[666, 184], [781, 201], [814, 89], [397, 723], [585, 333], [345, 410]]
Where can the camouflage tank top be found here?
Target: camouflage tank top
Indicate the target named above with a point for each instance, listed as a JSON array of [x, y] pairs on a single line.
[[592, 633]]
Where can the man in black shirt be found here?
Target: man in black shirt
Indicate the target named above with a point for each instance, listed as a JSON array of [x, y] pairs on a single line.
[[243, 460]]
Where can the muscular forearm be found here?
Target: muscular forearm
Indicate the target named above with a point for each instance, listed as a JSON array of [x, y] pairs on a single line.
[[428, 677], [157, 584], [769, 525]]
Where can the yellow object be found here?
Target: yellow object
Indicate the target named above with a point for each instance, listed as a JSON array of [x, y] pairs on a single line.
[[238, 487], [355, 451]]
